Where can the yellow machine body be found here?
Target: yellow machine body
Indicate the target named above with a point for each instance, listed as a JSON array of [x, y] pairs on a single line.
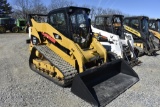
[[65, 61], [76, 53], [156, 34]]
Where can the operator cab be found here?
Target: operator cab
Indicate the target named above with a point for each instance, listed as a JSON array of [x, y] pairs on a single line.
[[154, 24], [72, 23], [139, 23], [110, 23]]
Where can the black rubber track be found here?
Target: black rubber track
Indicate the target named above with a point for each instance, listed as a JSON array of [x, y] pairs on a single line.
[[66, 69]]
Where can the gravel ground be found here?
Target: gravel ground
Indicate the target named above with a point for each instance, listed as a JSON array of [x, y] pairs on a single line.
[[19, 86]]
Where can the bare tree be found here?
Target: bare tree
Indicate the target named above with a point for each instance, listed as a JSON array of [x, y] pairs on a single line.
[[60, 3], [113, 11], [24, 7], [94, 11], [38, 7]]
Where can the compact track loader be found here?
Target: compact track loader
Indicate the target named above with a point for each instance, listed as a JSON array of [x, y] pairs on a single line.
[[143, 40], [112, 36], [64, 50], [154, 28]]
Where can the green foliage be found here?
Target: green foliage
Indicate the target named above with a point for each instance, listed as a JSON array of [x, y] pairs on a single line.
[[5, 8]]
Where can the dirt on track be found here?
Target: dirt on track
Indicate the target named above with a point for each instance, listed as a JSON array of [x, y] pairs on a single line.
[[20, 86]]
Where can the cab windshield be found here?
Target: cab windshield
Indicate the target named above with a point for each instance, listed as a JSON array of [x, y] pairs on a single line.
[[80, 27], [80, 23], [4, 21], [117, 21], [145, 28], [117, 26]]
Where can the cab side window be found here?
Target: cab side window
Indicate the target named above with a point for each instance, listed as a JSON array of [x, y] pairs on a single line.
[[152, 25], [100, 23], [57, 20], [97, 21], [107, 22], [61, 19], [126, 22], [53, 19], [135, 24]]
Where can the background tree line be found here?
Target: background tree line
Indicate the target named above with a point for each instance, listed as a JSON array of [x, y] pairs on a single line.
[[5, 8], [20, 8]]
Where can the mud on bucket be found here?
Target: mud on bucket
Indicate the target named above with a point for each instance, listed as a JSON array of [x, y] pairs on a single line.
[[101, 85]]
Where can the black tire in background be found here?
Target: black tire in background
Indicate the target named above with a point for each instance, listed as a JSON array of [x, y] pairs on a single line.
[[15, 29], [2, 29], [111, 56]]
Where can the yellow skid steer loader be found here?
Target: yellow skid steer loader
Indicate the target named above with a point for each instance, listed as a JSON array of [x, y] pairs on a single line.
[[64, 50], [143, 40], [154, 28]]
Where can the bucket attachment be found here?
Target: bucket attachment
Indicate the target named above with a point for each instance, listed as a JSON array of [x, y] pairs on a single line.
[[101, 85]]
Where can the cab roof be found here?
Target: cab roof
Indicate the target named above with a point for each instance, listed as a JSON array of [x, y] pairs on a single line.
[[154, 19], [139, 17], [111, 15], [67, 9]]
